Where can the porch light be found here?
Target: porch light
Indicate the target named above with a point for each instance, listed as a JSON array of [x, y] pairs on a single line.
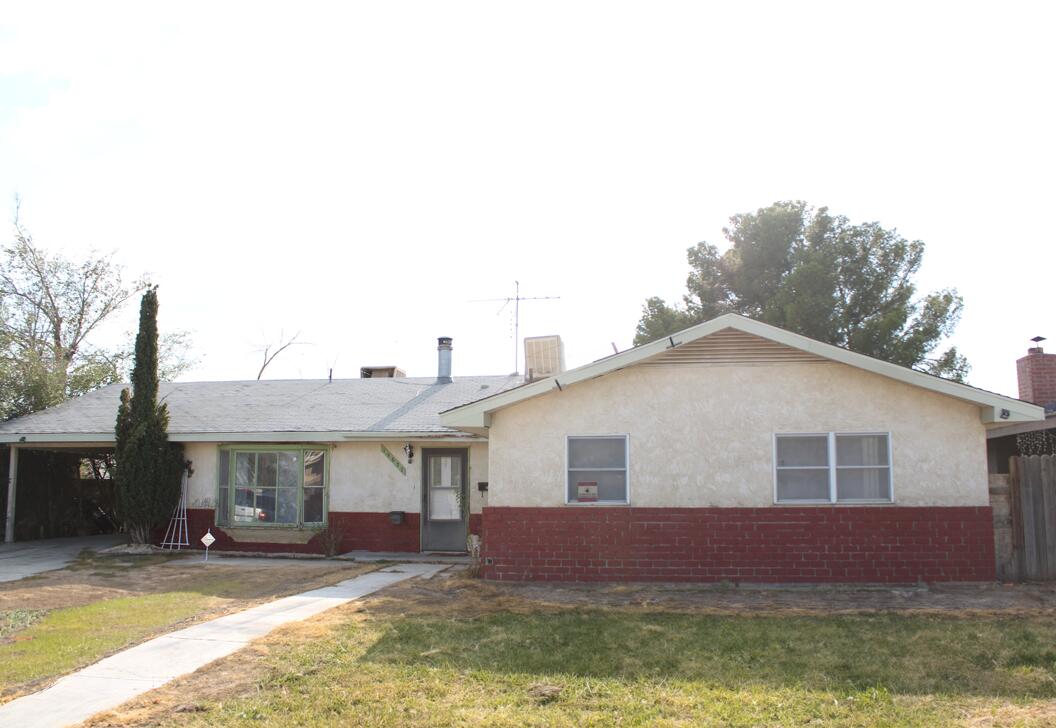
[[408, 450]]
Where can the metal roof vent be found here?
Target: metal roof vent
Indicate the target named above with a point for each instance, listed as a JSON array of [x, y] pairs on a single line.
[[443, 367]]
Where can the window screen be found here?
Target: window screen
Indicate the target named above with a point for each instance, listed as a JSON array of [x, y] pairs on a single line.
[[802, 467], [805, 471], [862, 468], [597, 469]]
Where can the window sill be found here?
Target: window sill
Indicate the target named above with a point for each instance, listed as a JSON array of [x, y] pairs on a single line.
[[836, 503], [592, 504], [271, 526], [270, 534]]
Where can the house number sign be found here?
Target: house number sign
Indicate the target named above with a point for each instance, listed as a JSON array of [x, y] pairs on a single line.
[[392, 459]]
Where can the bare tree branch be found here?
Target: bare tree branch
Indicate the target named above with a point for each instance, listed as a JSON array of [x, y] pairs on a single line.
[[268, 359]]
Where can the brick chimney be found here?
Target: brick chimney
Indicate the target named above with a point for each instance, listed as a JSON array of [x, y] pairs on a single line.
[[1037, 375]]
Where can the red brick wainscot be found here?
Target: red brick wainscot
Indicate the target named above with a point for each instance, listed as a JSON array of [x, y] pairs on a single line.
[[891, 544], [360, 532]]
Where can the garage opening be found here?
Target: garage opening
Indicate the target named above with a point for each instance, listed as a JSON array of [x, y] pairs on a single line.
[[61, 491]]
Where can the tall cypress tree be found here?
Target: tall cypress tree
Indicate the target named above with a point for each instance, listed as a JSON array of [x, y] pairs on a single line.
[[148, 467]]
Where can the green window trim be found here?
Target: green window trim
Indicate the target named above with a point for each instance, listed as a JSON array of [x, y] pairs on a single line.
[[245, 499]]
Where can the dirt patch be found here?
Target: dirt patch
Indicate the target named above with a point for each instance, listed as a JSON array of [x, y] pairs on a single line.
[[474, 597], [96, 577], [1036, 714]]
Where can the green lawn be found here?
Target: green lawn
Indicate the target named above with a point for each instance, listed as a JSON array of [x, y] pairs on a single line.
[[64, 639], [39, 641], [651, 668]]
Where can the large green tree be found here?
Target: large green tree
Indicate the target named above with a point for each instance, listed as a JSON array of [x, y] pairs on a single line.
[[148, 467], [819, 275], [51, 310]]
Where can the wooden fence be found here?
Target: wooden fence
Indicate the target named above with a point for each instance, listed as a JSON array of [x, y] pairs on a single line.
[[1024, 504]]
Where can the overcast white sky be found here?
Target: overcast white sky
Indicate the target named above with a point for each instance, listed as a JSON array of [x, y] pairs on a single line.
[[361, 173]]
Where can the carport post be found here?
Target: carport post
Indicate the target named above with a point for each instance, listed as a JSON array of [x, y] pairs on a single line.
[[12, 482]]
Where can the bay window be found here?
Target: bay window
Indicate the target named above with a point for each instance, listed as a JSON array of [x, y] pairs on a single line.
[[832, 467], [280, 486]]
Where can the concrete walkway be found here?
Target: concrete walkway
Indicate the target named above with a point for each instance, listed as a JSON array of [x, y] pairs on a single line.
[[402, 557], [121, 677], [27, 558]]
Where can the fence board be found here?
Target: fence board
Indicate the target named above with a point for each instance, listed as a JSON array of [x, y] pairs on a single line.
[[1032, 500], [1048, 490], [1015, 508], [1028, 465]]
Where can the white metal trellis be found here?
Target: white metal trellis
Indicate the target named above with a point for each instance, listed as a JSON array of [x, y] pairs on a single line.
[[176, 533]]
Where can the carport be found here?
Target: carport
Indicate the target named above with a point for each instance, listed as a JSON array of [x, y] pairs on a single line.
[[56, 488], [56, 462]]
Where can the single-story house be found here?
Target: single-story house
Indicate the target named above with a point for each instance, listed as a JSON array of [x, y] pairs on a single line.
[[732, 450]]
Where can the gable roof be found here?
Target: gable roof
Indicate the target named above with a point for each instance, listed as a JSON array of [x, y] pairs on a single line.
[[270, 410], [995, 409]]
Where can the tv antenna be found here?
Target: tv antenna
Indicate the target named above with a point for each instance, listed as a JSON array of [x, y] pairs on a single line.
[[516, 298]]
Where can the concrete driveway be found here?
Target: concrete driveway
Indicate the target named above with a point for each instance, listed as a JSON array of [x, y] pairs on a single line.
[[26, 558]]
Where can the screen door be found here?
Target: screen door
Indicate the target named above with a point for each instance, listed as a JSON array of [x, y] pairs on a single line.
[[445, 520]]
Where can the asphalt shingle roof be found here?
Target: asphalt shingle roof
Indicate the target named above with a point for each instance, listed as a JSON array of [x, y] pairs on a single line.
[[407, 404]]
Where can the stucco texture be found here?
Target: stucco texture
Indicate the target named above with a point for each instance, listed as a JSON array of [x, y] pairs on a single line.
[[361, 478], [702, 435]]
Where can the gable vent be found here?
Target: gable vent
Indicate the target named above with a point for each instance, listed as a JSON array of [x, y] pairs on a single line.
[[731, 347]]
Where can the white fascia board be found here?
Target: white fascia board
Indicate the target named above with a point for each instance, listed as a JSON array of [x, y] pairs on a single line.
[[993, 406], [1004, 430], [107, 439], [102, 439], [318, 437]]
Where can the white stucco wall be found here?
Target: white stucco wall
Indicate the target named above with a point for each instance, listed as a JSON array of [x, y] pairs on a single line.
[[702, 435], [201, 491], [361, 477]]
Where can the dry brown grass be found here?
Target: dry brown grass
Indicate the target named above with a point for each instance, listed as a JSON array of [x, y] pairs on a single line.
[[249, 676], [162, 597]]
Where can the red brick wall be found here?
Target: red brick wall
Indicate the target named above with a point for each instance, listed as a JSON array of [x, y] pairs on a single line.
[[374, 532], [1037, 377], [361, 531], [777, 545]]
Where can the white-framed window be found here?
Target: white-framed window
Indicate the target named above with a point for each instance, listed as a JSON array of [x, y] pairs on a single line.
[[597, 469], [832, 467]]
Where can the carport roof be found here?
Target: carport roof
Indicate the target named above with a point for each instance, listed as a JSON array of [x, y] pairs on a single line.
[[271, 410]]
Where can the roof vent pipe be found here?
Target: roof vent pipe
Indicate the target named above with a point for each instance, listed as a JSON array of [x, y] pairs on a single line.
[[443, 370]]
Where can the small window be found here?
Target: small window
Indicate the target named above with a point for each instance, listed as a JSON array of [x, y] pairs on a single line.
[[802, 468], [863, 468], [597, 469], [832, 468]]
